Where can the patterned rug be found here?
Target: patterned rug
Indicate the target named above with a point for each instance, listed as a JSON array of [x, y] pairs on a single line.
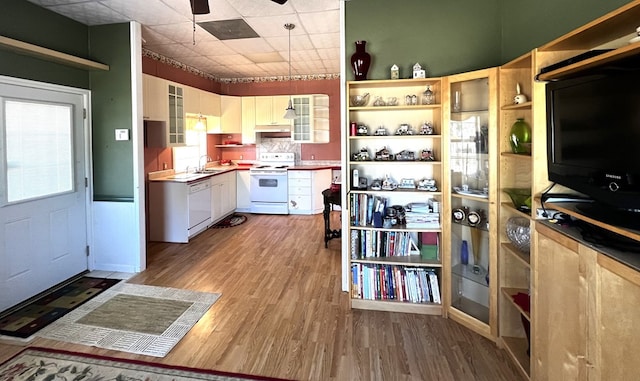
[[147, 320], [24, 322], [231, 221], [35, 364]]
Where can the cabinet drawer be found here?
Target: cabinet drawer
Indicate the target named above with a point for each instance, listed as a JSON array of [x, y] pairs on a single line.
[[299, 182], [299, 203], [302, 191], [299, 175]]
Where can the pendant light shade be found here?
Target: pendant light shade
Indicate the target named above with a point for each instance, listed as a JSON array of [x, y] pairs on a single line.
[[290, 112]]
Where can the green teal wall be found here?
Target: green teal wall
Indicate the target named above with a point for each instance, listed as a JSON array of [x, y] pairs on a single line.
[[27, 22], [445, 37], [449, 37], [111, 109], [528, 24]]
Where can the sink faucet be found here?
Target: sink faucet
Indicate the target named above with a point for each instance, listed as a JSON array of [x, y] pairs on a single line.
[[207, 158]]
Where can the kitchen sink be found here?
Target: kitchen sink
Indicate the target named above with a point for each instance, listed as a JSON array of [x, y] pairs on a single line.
[[184, 176], [210, 171]]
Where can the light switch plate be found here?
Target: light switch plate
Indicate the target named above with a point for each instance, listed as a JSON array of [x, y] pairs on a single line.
[[122, 134]]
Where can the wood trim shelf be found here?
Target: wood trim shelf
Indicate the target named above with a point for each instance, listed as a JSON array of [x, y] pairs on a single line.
[[525, 258], [47, 54], [623, 52], [395, 306], [413, 260], [516, 347], [519, 106], [509, 292]]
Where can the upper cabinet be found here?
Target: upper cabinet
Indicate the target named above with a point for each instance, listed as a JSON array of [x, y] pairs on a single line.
[[270, 110], [176, 132], [231, 119], [248, 120], [155, 106], [311, 124]]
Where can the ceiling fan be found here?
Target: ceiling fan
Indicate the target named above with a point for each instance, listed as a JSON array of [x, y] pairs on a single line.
[[201, 7]]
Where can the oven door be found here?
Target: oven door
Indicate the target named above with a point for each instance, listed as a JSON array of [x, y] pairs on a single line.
[[269, 193], [270, 187]]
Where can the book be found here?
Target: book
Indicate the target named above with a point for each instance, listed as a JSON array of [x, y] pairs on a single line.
[[435, 289]]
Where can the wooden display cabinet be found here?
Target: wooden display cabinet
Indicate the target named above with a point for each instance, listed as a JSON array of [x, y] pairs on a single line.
[[402, 283], [470, 184]]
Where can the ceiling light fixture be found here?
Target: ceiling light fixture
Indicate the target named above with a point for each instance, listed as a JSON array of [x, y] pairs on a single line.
[[290, 112]]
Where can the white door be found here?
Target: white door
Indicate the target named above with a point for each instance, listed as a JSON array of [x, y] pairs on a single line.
[[43, 205]]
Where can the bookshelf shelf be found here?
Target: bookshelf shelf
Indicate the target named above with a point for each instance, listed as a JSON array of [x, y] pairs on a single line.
[[371, 227]]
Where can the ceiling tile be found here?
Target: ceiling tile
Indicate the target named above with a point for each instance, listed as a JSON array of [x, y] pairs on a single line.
[[321, 22], [253, 8], [147, 12], [90, 13], [249, 45]]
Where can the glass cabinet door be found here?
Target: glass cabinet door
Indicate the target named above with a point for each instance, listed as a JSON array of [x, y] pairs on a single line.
[[472, 170]]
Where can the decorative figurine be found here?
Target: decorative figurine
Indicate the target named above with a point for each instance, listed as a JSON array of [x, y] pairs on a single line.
[[426, 128], [427, 155], [389, 184], [363, 130], [428, 97], [395, 72], [363, 155], [404, 129], [519, 98], [381, 131], [427, 185], [405, 155], [376, 184], [418, 72], [407, 184], [383, 155]]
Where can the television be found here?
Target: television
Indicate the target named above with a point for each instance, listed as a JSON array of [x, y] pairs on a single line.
[[593, 139]]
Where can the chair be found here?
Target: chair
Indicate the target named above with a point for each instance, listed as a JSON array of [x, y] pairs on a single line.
[[331, 197]]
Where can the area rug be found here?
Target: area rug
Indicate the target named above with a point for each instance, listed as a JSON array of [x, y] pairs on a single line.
[[24, 322], [231, 221], [147, 320], [34, 364]]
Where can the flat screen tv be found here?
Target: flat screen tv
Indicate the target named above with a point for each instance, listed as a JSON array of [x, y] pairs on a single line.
[[593, 139]]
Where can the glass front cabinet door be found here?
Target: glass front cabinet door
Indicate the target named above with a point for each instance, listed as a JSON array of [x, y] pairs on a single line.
[[472, 209]]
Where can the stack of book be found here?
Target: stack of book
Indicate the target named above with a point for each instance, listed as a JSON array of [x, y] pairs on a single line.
[[421, 216]]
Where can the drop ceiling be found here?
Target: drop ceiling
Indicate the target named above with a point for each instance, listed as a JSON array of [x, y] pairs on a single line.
[[167, 30]]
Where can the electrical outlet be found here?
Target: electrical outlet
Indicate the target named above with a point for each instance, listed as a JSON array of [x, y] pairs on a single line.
[[241, 157], [313, 157]]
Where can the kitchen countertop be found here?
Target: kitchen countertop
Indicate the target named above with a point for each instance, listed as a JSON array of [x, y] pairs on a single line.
[[171, 176]]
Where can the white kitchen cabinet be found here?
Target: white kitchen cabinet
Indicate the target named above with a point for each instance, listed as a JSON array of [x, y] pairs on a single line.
[[243, 191], [176, 131], [154, 98], [305, 190], [230, 116], [311, 124], [270, 110], [223, 195], [248, 120], [191, 100]]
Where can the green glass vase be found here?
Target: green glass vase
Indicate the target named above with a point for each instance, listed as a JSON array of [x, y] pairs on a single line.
[[520, 137]]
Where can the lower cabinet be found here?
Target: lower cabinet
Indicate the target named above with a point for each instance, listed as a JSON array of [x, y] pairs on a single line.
[[305, 190], [223, 195], [243, 191], [585, 320]]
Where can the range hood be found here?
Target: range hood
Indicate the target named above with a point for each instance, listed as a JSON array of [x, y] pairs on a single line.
[[273, 128]]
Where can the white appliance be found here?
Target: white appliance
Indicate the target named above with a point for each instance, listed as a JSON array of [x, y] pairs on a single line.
[[199, 207], [269, 183]]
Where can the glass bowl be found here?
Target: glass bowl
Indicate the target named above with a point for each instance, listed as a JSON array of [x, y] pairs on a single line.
[[519, 233], [521, 198], [359, 100]]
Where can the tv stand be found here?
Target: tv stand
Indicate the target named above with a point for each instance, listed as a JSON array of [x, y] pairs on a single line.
[[612, 216]]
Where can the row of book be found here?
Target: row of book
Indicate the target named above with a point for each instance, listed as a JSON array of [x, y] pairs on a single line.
[[394, 283], [379, 244], [362, 207]]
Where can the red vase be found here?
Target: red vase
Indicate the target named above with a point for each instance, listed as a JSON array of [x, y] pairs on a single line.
[[360, 61]]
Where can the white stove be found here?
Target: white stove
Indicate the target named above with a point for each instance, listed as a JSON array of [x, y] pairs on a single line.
[[269, 183]]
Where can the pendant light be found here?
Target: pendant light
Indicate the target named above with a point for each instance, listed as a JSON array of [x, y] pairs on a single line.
[[290, 112]]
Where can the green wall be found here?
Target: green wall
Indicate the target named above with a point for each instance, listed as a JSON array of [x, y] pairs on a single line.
[[528, 24], [27, 22], [445, 37], [449, 37], [111, 109]]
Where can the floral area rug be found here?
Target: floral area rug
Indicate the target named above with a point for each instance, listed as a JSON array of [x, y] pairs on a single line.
[[231, 221], [41, 364], [147, 320], [25, 321]]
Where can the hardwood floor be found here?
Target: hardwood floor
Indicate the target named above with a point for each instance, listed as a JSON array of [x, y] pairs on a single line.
[[282, 313]]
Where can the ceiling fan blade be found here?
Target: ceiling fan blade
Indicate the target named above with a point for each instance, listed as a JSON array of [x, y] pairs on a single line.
[[200, 7], [279, 1]]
